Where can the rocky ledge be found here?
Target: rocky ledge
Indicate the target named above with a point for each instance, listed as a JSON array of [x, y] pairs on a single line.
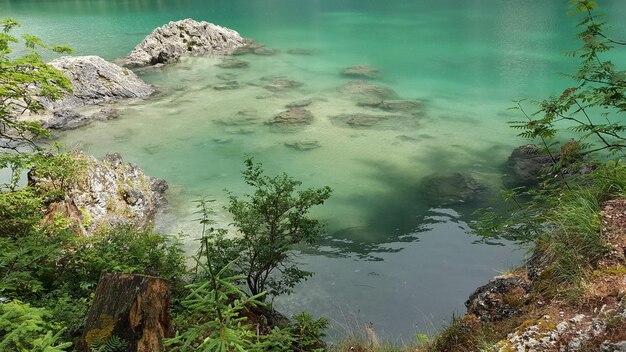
[[514, 307], [107, 192], [94, 81], [167, 44]]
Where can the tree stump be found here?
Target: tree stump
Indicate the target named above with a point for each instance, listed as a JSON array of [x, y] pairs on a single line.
[[132, 308]]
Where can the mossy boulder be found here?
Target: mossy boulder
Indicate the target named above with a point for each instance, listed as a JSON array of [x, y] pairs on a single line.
[[109, 192]]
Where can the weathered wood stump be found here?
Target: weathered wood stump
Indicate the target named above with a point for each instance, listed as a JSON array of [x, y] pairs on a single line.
[[129, 307]]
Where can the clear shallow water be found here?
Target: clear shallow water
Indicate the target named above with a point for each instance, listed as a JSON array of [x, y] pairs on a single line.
[[390, 258]]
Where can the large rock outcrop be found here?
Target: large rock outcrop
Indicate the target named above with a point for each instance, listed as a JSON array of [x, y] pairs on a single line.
[[95, 80], [168, 43], [106, 192]]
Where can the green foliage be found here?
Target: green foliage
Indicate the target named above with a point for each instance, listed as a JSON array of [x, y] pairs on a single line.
[[20, 212], [29, 263], [216, 314], [213, 315], [24, 83], [213, 244], [27, 329], [599, 89], [122, 249], [454, 337], [58, 172], [308, 333], [271, 221], [113, 344]]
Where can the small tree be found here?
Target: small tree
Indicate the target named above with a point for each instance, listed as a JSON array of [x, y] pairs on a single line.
[[271, 221], [24, 81], [593, 106]]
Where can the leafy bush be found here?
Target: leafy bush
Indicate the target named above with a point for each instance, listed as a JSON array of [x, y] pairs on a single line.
[[271, 221], [29, 263], [23, 81], [20, 212], [308, 333], [24, 328], [212, 315], [122, 249]]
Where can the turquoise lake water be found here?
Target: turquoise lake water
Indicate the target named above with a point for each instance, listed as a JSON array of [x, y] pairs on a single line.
[[390, 257]]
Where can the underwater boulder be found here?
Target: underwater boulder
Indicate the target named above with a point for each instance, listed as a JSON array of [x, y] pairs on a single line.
[[303, 145], [361, 72], [451, 188], [301, 51], [411, 107], [299, 103], [228, 85], [233, 63], [366, 93], [525, 165], [293, 116], [281, 84]]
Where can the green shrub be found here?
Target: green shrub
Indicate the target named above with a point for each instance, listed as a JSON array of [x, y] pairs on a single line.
[[20, 212], [122, 249], [27, 329], [271, 221], [308, 333]]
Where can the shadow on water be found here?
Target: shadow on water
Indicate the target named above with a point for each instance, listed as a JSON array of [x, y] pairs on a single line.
[[409, 208]]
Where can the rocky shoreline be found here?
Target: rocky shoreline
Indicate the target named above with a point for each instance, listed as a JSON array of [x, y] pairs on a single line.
[[510, 303]]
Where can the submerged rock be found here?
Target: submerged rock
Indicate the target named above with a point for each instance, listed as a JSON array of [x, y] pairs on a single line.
[[364, 92], [233, 63], [247, 48], [361, 120], [265, 51], [66, 119], [299, 103], [229, 85], [110, 192], [412, 107], [168, 43], [291, 117], [303, 145], [361, 72], [452, 188], [245, 117], [226, 76], [301, 51], [526, 164], [405, 138], [282, 84], [501, 298], [357, 120], [106, 114]]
